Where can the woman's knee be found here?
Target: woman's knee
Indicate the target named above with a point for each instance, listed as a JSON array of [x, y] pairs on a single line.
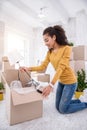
[[62, 109], [57, 106]]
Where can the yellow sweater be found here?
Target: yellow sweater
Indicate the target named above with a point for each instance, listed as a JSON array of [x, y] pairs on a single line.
[[60, 61]]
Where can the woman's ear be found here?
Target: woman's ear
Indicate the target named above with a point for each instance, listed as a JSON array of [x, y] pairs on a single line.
[[54, 37]]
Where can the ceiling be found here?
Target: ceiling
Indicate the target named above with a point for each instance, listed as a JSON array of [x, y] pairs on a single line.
[[25, 12]]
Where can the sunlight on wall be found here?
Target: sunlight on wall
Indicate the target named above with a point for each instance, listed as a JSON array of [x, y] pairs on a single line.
[[19, 43], [15, 42]]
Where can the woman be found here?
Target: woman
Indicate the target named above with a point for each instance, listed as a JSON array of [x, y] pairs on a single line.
[[58, 55]]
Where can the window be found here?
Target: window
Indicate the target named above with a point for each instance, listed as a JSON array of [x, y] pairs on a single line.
[[17, 42]]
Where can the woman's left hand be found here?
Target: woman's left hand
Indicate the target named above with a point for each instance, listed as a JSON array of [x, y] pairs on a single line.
[[47, 90]]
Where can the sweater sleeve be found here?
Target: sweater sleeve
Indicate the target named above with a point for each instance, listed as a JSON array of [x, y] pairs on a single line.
[[44, 64], [64, 62]]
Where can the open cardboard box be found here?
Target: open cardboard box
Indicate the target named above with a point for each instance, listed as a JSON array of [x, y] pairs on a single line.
[[21, 107]]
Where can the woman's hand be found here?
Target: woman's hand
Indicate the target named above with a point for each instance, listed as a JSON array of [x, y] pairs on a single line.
[[24, 69], [47, 90]]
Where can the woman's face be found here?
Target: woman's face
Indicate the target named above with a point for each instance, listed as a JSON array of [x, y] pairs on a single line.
[[49, 41]]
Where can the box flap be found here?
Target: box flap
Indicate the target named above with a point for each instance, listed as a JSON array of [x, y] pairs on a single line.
[[25, 98], [5, 59], [12, 74]]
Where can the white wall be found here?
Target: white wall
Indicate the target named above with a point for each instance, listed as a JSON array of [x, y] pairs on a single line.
[[2, 31], [76, 28], [81, 28], [38, 46]]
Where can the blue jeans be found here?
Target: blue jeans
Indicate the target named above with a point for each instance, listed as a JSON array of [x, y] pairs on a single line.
[[64, 102]]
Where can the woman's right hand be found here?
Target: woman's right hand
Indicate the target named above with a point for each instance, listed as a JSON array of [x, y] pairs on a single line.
[[24, 69]]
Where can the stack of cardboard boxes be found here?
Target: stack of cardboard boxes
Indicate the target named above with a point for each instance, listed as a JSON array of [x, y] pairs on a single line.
[[79, 58], [72, 61], [5, 64]]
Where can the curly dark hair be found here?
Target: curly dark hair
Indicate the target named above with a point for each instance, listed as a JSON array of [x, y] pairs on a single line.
[[59, 32]]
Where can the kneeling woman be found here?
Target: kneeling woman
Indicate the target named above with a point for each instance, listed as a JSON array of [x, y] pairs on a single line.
[[58, 55]]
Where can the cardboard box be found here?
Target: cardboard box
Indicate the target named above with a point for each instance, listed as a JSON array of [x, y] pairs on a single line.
[[5, 58], [80, 64], [2, 78], [21, 107], [72, 64], [80, 52], [71, 56], [43, 77], [5, 64], [0, 65]]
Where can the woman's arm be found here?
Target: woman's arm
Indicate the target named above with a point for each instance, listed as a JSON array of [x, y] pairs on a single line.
[[41, 67]]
